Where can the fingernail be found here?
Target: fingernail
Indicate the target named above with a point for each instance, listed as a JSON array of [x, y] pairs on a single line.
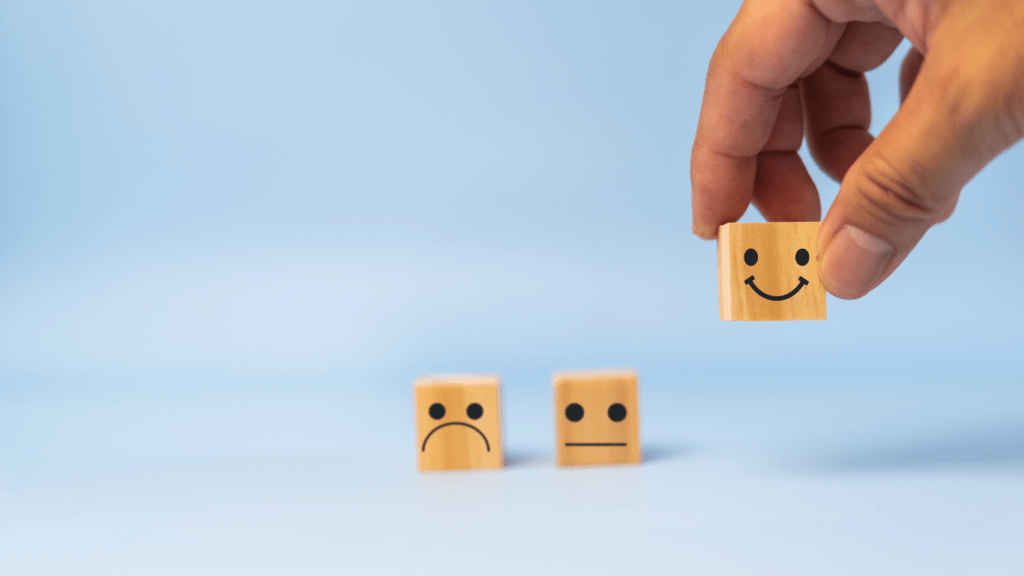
[[705, 232], [853, 262]]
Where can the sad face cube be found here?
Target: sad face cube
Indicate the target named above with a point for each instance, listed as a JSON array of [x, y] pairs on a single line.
[[597, 418], [768, 271], [458, 422]]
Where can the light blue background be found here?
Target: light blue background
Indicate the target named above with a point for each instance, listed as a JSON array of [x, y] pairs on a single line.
[[233, 233]]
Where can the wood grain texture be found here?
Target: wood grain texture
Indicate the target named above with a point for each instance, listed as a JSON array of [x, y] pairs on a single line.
[[468, 433], [782, 284], [587, 405]]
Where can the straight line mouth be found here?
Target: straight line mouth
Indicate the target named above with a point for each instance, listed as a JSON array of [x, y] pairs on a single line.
[[595, 443]]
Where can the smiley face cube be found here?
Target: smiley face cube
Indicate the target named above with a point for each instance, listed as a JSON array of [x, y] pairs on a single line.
[[458, 422], [597, 418], [768, 271]]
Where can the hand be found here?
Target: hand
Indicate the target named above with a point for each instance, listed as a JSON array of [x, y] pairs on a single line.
[[789, 67]]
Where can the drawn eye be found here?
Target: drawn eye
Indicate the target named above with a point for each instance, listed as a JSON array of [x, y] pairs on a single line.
[[436, 410], [617, 412], [802, 257], [574, 412], [750, 256], [474, 411]]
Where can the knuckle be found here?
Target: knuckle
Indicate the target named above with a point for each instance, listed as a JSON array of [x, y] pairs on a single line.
[[1013, 109], [892, 198], [992, 119], [985, 100]]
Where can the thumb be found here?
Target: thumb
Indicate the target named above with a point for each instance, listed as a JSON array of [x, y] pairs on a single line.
[[963, 110]]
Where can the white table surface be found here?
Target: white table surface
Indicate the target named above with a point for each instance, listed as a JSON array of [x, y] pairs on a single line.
[[843, 477]]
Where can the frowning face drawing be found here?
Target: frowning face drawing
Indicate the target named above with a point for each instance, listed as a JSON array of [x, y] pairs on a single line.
[[458, 422]]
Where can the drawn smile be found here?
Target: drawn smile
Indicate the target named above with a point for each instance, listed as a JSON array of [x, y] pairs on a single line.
[[750, 281], [595, 443], [486, 443]]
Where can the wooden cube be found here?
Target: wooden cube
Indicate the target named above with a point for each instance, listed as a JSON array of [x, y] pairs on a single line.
[[597, 418], [458, 422], [769, 271]]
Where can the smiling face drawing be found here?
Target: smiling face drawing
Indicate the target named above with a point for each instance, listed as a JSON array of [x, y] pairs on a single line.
[[458, 422], [750, 258], [597, 419], [767, 271]]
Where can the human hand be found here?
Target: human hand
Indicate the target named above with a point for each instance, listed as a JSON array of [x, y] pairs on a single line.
[[789, 67]]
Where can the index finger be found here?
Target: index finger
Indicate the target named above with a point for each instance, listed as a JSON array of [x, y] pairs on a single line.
[[770, 45]]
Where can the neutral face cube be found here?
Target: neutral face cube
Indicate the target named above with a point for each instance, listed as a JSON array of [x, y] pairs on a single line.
[[769, 271], [597, 418], [458, 422]]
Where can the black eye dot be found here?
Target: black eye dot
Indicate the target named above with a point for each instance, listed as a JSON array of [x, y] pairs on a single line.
[[574, 412], [802, 257], [750, 256], [437, 410], [617, 412], [474, 411]]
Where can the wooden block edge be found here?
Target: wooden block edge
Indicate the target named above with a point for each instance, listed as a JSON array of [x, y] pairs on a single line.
[[561, 376], [458, 380], [724, 278]]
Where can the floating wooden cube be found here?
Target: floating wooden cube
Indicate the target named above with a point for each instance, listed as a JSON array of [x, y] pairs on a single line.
[[458, 422], [597, 418], [769, 271]]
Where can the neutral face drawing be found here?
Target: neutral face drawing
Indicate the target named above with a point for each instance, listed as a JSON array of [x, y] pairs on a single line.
[[458, 422], [596, 418], [616, 413]]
